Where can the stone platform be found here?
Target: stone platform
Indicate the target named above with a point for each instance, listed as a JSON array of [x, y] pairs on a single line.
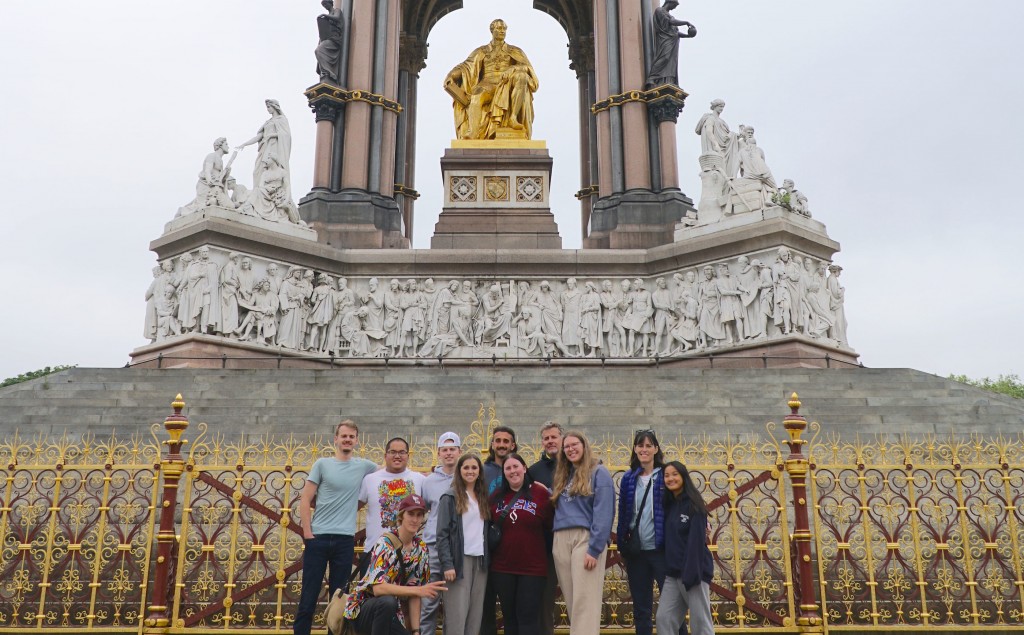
[[496, 197], [422, 402]]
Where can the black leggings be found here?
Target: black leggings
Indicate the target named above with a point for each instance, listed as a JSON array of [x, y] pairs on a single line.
[[521, 599]]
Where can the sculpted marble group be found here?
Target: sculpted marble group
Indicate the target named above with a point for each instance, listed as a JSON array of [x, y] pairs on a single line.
[[715, 306], [735, 177], [270, 198]]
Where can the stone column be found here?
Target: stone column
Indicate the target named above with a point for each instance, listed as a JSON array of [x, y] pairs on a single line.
[[358, 208], [412, 55], [581, 52], [636, 148], [326, 113]]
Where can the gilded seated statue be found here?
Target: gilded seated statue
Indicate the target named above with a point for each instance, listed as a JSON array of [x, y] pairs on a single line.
[[493, 90]]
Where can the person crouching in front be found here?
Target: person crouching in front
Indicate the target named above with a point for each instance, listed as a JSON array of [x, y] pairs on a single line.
[[386, 600]]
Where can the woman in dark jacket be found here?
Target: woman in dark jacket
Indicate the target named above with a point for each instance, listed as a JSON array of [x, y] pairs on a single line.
[[462, 516], [689, 567], [641, 492]]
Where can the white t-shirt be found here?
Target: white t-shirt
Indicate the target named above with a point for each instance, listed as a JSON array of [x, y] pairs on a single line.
[[382, 491], [472, 528]]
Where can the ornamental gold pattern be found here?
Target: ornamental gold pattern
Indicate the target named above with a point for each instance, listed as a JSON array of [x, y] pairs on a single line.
[[905, 533]]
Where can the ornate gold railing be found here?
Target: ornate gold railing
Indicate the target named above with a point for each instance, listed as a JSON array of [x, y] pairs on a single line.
[[808, 535]]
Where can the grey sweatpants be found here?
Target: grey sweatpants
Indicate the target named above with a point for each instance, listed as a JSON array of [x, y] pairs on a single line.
[[675, 599], [464, 600]]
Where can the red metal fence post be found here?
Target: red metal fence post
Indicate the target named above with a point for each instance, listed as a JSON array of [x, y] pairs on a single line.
[[808, 615], [158, 612]]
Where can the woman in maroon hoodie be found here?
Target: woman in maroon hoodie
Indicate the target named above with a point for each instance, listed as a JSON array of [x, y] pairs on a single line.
[[519, 565]]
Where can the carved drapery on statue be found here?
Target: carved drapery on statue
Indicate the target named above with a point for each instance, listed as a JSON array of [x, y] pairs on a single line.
[[492, 90], [328, 51], [665, 61]]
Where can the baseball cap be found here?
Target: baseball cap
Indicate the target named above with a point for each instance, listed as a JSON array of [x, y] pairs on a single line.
[[413, 501], [449, 439]]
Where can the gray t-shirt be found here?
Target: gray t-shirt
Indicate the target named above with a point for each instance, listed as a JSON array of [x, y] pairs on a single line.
[[337, 494], [437, 483], [646, 515]]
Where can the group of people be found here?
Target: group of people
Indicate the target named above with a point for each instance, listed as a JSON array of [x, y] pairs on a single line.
[[476, 532]]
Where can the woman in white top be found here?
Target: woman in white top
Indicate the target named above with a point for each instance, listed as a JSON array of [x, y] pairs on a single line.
[[462, 546]]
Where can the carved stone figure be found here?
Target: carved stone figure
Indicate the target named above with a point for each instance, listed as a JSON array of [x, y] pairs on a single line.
[[664, 317], [197, 312], [210, 189], [362, 341], [414, 321], [665, 61], [149, 325], [817, 297], [747, 279], [262, 314], [685, 331], [292, 327], [533, 340], [590, 320], [837, 303], [550, 310], [373, 300], [570, 301], [639, 320], [166, 309], [330, 26], [709, 320], [766, 300], [786, 275], [230, 283], [731, 306], [393, 316], [270, 199], [274, 138], [493, 90], [344, 301], [321, 312], [756, 186], [716, 138], [497, 318], [792, 199], [611, 325]]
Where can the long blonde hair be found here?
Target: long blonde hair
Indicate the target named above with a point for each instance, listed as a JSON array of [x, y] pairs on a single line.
[[479, 489], [578, 479]]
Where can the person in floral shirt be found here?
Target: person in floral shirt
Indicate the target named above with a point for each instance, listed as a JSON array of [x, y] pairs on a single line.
[[386, 600]]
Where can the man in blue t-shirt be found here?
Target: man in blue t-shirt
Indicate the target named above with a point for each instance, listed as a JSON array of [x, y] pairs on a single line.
[[329, 534]]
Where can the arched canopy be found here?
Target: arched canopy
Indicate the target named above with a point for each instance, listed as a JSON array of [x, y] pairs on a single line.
[[575, 16]]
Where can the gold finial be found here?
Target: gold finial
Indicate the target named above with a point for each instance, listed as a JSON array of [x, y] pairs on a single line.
[[794, 403], [178, 404]]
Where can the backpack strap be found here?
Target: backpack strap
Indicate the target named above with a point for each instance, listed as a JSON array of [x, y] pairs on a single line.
[[396, 544]]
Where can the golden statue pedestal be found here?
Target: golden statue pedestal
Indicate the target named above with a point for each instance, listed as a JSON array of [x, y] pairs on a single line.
[[496, 196]]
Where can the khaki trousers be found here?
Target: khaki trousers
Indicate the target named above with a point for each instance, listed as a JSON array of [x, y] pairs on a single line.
[[582, 589]]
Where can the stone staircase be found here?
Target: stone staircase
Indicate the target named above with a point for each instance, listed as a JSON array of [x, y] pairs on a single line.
[[423, 401]]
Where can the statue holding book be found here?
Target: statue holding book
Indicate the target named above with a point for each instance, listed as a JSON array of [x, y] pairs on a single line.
[[492, 91]]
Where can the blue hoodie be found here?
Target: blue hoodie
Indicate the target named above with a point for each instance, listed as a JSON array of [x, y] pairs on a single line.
[[594, 513]]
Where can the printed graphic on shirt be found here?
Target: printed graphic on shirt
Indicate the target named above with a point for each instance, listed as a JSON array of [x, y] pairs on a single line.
[[389, 495], [520, 505], [683, 519]]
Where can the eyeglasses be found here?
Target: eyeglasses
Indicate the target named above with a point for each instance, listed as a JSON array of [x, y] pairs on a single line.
[[398, 452], [570, 446]]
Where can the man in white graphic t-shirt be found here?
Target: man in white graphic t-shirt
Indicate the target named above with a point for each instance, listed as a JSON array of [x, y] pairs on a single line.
[[384, 490]]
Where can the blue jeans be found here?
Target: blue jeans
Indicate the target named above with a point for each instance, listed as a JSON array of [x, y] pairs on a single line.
[[643, 572], [325, 552]]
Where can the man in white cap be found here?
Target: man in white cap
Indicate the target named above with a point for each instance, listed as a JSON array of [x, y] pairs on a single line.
[[449, 448]]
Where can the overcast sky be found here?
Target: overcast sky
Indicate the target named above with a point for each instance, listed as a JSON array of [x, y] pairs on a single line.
[[901, 121]]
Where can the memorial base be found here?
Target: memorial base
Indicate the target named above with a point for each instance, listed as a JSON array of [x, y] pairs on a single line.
[[354, 219], [637, 219], [496, 197]]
